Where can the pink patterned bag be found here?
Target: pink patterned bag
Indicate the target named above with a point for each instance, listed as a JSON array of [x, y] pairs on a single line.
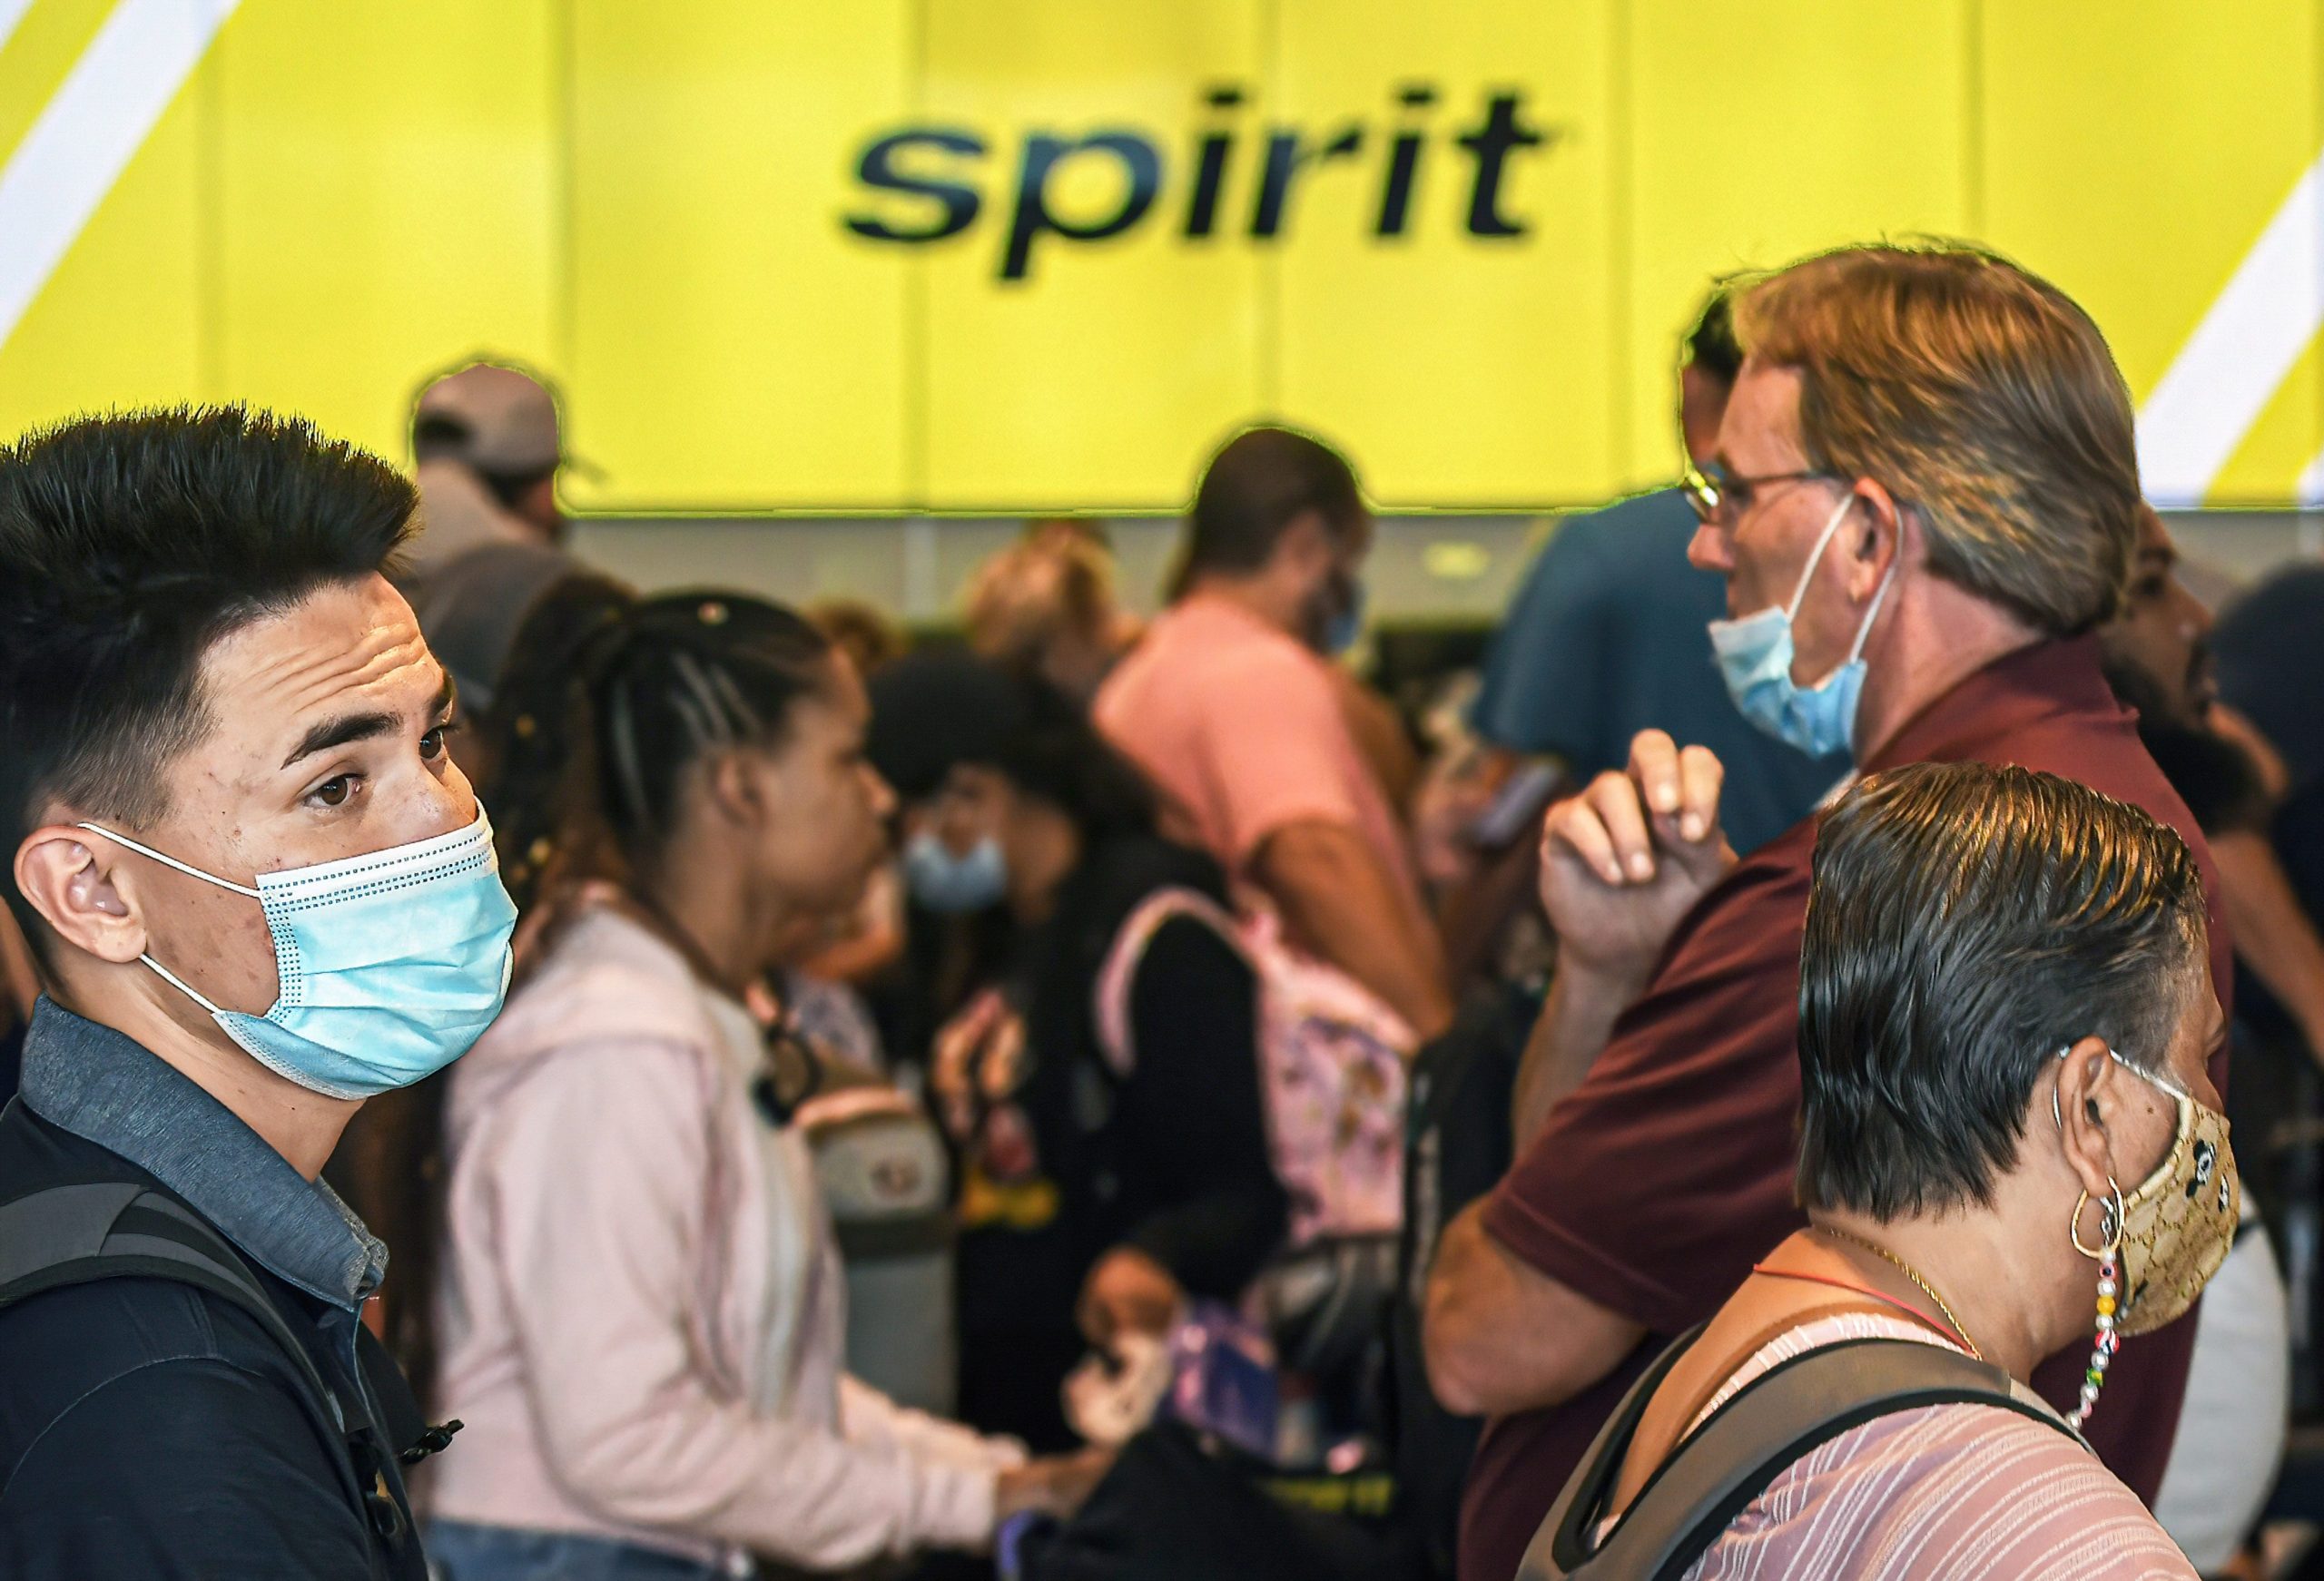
[[1332, 1057]]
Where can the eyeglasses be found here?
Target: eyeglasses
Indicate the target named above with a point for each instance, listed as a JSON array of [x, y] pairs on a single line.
[[1718, 494]]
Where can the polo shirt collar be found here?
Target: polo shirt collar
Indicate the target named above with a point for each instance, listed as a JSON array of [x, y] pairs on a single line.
[[2052, 679], [107, 1088]]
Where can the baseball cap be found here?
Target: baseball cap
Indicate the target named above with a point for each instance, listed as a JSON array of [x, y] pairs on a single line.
[[496, 417]]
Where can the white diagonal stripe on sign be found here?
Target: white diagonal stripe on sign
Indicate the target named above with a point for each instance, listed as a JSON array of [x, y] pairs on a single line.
[[12, 11], [2236, 360], [2307, 494], [87, 135]]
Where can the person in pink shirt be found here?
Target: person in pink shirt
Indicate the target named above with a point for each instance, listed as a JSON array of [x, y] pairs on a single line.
[[1233, 706]]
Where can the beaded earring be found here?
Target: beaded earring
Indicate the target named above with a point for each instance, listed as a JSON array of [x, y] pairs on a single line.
[[2107, 1254]]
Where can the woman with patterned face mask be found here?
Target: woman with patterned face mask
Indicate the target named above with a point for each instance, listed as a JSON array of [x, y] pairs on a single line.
[[2010, 1148]]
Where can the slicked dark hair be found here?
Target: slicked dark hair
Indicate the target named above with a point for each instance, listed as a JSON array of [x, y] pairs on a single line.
[[1260, 482], [1967, 922], [130, 545]]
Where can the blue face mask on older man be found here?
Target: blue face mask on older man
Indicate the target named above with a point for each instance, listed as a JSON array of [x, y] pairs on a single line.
[[1754, 660]]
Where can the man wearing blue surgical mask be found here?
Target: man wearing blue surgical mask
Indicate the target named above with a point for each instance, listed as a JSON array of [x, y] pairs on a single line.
[[1271, 756], [1924, 501], [259, 891]]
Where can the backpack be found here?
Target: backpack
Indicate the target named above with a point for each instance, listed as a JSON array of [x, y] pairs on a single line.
[[1331, 1062], [1720, 1467], [881, 1167], [1457, 1147], [77, 1233]]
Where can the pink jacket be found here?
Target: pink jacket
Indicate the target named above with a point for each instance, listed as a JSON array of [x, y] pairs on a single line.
[[642, 1315]]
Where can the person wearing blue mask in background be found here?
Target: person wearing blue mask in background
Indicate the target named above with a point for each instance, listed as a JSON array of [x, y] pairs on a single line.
[[1605, 636], [259, 892], [1097, 1194], [1233, 706]]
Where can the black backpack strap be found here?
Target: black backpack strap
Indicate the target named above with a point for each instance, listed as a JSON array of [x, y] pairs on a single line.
[[1579, 1507], [74, 1234], [79, 1233], [1769, 1426]]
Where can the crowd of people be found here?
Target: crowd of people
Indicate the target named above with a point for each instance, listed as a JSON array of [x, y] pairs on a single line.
[[521, 1078]]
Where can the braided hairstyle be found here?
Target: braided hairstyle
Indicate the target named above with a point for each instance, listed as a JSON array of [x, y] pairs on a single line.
[[606, 702], [607, 706]]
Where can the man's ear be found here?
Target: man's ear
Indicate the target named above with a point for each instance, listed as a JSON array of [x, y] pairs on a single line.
[[1884, 529], [68, 876], [1307, 542], [2082, 1104]]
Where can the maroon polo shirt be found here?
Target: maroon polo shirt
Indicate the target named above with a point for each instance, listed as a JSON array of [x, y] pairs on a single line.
[[1653, 1187]]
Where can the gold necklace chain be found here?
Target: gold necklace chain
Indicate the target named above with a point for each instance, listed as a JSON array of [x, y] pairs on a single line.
[[1912, 1274]]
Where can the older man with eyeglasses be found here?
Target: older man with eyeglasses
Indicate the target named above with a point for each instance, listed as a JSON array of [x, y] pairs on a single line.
[[1923, 500]]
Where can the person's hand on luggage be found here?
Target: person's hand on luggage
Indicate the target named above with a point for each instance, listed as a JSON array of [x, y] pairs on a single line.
[[1127, 1292], [1623, 861], [1056, 1486]]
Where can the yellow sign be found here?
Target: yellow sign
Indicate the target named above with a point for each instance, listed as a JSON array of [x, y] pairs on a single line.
[[959, 255]]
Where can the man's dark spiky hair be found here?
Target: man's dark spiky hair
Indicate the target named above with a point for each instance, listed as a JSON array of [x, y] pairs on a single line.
[[130, 543]]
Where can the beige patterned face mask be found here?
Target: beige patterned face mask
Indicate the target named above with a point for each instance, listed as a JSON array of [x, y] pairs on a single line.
[[2176, 1227]]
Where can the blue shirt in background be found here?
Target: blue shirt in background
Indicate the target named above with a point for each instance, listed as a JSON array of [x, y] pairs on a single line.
[[1609, 635]]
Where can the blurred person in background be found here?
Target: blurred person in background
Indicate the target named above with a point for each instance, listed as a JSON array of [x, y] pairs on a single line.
[[1095, 1199], [1606, 636], [503, 613], [2159, 660], [2232, 1430], [260, 893], [1924, 502], [1233, 706], [2269, 647], [861, 631], [485, 442], [858, 947], [1047, 605], [642, 1313], [2004, 1010]]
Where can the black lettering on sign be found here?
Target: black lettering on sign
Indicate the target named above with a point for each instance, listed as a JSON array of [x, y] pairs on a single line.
[[1210, 166], [1491, 142], [931, 199], [956, 204], [1404, 164], [1141, 164], [1284, 161]]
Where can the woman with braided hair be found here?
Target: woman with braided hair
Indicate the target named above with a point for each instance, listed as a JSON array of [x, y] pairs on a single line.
[[641, 1313]]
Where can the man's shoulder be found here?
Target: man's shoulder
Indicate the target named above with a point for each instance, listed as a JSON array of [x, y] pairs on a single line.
[[109, 1348], [1199, 663], [145, 1422], [70, 1345]]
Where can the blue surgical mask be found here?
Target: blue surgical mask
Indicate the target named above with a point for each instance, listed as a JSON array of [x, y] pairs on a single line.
[[392, 963], [1754, 656], [1340, 632], [943, 882]]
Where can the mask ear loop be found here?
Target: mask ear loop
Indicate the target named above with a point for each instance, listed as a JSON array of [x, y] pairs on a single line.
[[167, 975], [170, 861], [1816, 558]]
